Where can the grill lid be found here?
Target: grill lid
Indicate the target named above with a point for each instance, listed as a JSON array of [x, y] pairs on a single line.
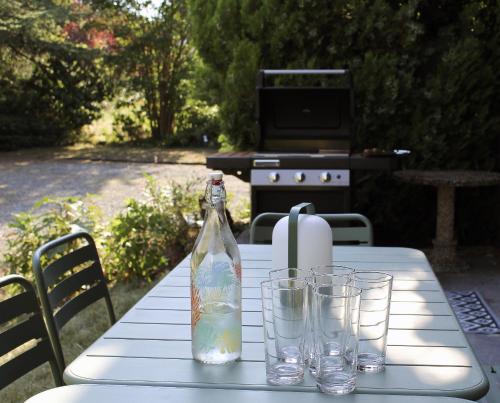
[[305, 110]]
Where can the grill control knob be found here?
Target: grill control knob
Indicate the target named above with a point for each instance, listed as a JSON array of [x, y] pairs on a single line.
[[274, 177], [299, 177], [325, 177]]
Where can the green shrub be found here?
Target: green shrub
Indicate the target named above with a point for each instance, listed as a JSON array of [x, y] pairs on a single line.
[[240, 211], [149, 236], [196, 120], [49, 219], [130, 122]]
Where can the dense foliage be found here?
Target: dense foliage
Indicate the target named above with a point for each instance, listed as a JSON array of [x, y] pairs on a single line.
[[426, 78], [143, 240], [150, 235], [50, 79], [426, 73], [154, 59], [50, 218]]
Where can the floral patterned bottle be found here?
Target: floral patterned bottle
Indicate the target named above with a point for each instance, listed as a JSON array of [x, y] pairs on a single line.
[[215, 283]]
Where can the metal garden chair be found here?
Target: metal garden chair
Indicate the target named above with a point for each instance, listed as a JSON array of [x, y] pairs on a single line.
[[347, 229], [21, 324], [69, 278]]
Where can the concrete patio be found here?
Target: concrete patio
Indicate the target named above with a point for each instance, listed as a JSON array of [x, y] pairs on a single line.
[[482, 276]]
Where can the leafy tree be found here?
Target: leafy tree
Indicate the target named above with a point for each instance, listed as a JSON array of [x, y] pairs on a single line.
[[51, 84], [155, 58]]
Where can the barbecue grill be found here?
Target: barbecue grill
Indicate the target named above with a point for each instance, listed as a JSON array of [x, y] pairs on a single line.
[[304, 150]]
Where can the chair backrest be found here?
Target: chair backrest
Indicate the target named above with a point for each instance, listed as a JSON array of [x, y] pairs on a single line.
[[347, 229], [21, 322], [69, 278]]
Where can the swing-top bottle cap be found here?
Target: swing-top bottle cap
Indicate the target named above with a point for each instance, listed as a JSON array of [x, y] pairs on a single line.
[[215, 176]]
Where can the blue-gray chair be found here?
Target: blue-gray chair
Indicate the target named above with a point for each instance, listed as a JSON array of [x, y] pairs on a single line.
[[347, 229]]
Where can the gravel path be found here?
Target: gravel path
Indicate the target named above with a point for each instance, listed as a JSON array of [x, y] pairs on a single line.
[[23, 182]]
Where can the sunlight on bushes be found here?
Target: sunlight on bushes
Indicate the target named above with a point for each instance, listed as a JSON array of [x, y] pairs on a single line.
[[145, 239], [150, 235], [49, 219]]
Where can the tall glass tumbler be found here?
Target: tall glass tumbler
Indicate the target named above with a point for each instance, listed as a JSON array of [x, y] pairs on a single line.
[[374, 319], [338, 273], [314, 282], [284, 310], [289, 272], [336, 325], [334, 269], [304, 274]]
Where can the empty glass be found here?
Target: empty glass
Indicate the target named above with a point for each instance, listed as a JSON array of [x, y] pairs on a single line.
[[284, 310], [334, 269], [315, 281], [335, 328], [374, 319], [289, 272]]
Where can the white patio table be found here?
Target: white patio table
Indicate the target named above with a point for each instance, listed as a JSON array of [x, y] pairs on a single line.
[[427, 352]]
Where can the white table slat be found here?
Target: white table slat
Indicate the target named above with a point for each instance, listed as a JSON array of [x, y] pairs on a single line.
[[178, 317], [254, 293], [134, 394], [419, 322], [254, 304], [176, 311], [397, 307], [254, 282], [420, 308], [261, 274], [181, 349], [254, 334], [427, 353]]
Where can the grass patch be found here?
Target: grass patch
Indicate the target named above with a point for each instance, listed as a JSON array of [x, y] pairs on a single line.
[[79, 333]]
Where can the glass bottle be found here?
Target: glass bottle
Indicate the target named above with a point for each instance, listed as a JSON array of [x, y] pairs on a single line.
[[215, 283]]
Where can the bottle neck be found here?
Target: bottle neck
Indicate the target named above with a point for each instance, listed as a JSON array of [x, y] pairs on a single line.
[[215, 194]]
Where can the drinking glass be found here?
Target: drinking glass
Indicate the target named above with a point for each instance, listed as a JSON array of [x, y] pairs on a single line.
[[313, 282], [289, 272], [335, 326], [334, 269], [284, 310], [374, 319], [305, 274]]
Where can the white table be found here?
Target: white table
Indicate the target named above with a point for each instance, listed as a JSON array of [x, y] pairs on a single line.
[[155, 394], [427, 352]]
